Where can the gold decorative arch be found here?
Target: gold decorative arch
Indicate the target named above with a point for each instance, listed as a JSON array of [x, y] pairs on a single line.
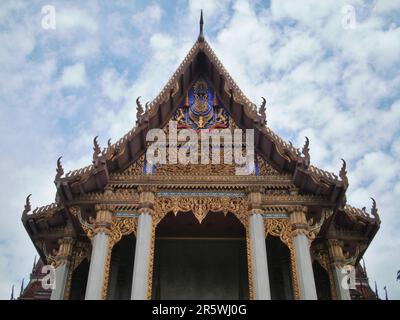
[[282, 228], [121, 226], [201, 206]]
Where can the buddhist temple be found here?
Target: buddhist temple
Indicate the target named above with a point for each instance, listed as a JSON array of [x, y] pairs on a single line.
[[127, 228]]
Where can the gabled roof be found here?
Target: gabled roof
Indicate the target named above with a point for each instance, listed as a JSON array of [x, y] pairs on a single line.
[[201, 59]]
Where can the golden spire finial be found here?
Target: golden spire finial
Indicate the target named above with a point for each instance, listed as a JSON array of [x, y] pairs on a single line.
[[201, 35]]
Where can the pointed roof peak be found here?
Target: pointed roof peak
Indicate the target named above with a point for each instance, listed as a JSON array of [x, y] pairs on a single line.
[[201, 35]]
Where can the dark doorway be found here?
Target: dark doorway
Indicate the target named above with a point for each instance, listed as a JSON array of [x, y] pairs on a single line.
[[321, 282], [79, 281], [279, 270], [121, 269], [200, 261]]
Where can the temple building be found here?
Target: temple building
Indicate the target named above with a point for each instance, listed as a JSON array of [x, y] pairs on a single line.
[[125, 227]]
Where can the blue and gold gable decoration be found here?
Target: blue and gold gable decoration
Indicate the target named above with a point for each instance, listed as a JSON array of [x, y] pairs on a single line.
[[201, 109]]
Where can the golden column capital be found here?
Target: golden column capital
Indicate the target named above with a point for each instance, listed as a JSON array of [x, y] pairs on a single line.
[[255, 200], [335, 248], [63, 254], [147, 199], [298, 220], [103, 220]]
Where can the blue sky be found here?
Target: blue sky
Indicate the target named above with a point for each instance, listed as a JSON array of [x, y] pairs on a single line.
[[335, 84]]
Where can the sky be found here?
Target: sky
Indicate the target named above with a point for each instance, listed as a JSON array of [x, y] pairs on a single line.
[[328, 69]]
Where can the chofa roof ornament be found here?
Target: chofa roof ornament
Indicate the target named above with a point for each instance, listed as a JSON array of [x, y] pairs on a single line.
[[59, 170], [27, 208], [262, 111], [343, 174], [306, 153], [374, 211]]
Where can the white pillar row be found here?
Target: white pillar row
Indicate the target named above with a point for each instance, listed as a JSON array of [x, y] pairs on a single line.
[[63, 263], [142, 257], [303, 257], [100, 243], [340, 275], [259, 258], [144, 230]]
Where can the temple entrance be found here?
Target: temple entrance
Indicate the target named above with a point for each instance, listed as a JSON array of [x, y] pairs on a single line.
[[279, 270], [121, 269], [322, 283], [200, 261], [79, 281]]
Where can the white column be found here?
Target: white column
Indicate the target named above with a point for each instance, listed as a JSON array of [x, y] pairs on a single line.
[[340, 278], [259, 258], [304, 268], [97, 266], [342, 288], [61, 275], [142, 257]]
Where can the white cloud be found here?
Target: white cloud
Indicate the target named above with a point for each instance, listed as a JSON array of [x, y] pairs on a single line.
[[147, 18], [75, 19], [113, 86], [73, 76]]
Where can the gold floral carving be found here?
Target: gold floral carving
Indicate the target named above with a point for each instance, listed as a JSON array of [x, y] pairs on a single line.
[[114, 227], [151, 262], [81, 252], [265, 169], [282, 228], [250, 264], [200, 206], [120, 226], [87, 227], [134, 170], [195, 169]]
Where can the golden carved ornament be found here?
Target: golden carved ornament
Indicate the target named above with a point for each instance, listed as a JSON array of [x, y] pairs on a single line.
[[336, 253], [315, 228], [265, 169], [135, 170], [81, 251], [114, 227], [282, 228], [250, 264], [88, 228], [59, 256], [122, 194], [120, 226], [200, 206], [151, 261]]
